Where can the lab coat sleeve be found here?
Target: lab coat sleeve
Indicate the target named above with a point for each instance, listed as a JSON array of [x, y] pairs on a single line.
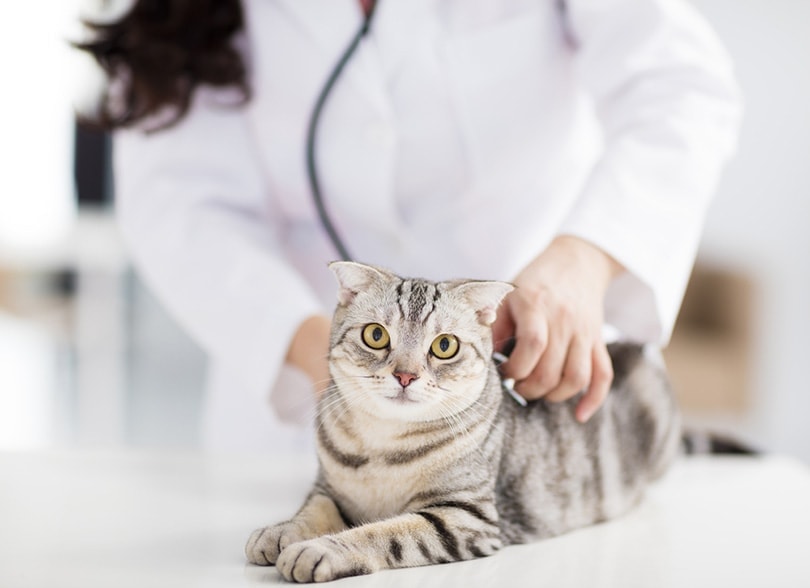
[[664, 92], [196, 217]]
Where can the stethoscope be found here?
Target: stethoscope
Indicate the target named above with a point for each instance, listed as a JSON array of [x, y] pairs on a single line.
[[312, 132]]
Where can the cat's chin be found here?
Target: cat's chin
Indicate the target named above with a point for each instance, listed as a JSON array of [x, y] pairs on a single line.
[[409, 408], [403, 407]]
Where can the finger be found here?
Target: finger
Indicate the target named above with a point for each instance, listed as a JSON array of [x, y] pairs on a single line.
[[547, 373], [531, 339], [576, 374], [529, 347], [599, 386]]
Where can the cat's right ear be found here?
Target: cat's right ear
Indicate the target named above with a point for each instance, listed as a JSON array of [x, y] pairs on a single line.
[[355, 277], [485, 297]]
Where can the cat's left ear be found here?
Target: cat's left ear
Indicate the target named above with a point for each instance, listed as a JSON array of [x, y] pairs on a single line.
[[354, 278], [485, 298]]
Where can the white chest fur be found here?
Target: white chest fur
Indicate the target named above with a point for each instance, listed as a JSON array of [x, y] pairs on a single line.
[[397, 466], [376, 491]]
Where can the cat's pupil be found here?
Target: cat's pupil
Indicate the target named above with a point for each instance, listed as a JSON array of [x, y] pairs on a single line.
[[377, 334], [444, 344]]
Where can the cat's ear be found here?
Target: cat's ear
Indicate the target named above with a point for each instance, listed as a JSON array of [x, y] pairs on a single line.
[[485, 298], [355, 277]]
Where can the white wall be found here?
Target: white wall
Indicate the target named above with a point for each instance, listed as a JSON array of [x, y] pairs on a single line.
[[36, 128], [760, 221]]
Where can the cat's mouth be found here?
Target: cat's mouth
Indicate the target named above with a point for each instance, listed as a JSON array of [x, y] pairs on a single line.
[[402, 397]]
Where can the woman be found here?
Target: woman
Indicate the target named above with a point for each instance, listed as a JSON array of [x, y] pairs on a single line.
[[568, 146]]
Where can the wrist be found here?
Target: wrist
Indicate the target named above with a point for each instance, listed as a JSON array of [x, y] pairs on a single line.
[[584, 256]]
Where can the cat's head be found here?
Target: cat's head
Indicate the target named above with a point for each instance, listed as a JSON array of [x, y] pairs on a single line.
[[410, 349]]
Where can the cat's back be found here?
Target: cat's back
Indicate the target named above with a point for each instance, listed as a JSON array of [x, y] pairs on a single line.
[[558, 474]]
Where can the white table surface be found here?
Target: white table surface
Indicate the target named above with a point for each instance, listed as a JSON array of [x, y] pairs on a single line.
[[113, 519]]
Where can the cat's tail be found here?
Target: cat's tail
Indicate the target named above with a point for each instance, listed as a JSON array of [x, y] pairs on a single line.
[[702, 443]]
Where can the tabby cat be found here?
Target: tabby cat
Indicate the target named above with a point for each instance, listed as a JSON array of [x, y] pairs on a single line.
[[424, 459]]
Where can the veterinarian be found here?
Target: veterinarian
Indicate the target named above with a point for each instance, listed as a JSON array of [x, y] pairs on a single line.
[[569, 146]]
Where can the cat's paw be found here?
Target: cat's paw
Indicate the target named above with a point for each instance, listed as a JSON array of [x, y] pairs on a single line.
[[265, 545], [319, 560]]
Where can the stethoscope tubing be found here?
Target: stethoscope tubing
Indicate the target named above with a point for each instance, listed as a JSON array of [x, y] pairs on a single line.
[[312, 136]]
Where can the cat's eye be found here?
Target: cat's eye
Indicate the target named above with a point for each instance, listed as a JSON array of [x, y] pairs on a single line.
[[375, 336], [444, 346]]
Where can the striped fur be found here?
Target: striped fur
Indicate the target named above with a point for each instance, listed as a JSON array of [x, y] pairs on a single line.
[[447, 468]]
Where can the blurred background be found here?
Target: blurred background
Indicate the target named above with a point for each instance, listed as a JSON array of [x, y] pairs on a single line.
[[89, 358]]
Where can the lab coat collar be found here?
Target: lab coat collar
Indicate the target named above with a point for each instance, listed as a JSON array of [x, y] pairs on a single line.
[[332, 25], [395, 28]]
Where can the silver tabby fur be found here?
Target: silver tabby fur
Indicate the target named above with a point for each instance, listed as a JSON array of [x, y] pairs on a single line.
[[449, 468]]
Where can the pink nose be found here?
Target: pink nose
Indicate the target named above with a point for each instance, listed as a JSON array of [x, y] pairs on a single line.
[[405, 378]]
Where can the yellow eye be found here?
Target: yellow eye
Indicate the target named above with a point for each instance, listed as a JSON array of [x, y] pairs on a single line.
[[375, 336], [444, 346]]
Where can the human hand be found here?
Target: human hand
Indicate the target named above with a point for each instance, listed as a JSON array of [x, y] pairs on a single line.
[[555, 315], [309, 351]]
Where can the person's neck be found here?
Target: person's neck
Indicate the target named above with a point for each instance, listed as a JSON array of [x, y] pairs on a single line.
[[367, 6]]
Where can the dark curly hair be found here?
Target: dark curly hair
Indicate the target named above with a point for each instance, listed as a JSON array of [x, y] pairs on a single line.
[[159, 52]]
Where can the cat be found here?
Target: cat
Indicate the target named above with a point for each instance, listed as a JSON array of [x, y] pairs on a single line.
[[422, 457]]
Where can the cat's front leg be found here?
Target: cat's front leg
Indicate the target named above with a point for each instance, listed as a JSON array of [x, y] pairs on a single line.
[[426, 537], [319, 516]]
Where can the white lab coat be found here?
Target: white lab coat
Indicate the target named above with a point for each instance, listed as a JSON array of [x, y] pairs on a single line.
[[463, 136]]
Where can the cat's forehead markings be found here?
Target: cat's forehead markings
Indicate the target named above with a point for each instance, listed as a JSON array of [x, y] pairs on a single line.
[[417, 299]]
